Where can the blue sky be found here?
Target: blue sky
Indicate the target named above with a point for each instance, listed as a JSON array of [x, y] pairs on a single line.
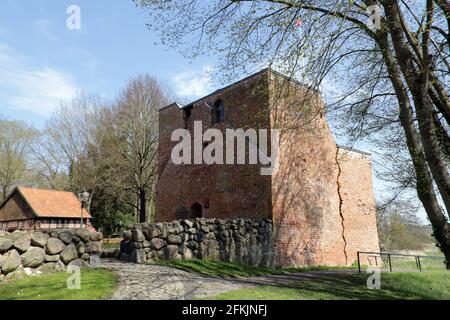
[[42, 62]]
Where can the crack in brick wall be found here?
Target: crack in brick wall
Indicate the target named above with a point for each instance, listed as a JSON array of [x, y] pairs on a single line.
[[341, 200]]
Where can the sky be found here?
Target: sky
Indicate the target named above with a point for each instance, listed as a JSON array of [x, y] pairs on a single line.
[[44, 63]]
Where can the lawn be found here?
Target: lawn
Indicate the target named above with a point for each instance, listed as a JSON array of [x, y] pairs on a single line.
[[427, 285], [95, 284], [231, 269]]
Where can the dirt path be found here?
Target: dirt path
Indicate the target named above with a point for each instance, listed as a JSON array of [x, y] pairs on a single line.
[[154, 282]]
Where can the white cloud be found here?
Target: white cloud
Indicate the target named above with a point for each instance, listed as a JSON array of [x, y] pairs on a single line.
[[193, 83], [45, 27], [36, 89]]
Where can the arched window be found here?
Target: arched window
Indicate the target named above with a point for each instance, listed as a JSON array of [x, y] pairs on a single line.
[[219, 111], [196, 211]]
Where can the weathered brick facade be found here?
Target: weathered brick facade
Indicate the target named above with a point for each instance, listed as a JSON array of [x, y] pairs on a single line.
[[320, 199]]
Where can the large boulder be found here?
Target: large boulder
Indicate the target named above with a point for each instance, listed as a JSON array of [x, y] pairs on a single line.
[[94, 247], [146, 244], [66, 236], [54, 246], [126, 235], [81, 248], [39, 239], [172, 239], [12, 261], [2, 261], [96, 236], [23, 243], [5, 244], [157, 243], [53, 258], [79, 263], [188, 255], [83, 234], [137, 256], [69, 254], [171, 252], [126, 246], [34, 257], [188, 223], [16, 234], [60, 266], [47, 267], [17, 274], [199, 237], [137, 235], [151, 232]]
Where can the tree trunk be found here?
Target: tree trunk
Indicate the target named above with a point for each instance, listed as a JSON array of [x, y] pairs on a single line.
[[425, 189], [142, 206], [417, 82]]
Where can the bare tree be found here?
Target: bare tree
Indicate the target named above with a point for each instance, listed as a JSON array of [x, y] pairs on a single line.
[[392, 74], [15, 140], [134, 119], [69, 146]]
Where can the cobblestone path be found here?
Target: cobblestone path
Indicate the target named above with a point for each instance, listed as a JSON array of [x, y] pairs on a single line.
[[154, 282]]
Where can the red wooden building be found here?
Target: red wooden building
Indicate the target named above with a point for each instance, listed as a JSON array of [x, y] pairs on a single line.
[[31, 209]]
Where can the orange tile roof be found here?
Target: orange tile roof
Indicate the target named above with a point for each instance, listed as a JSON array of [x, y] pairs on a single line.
[[52, 203]]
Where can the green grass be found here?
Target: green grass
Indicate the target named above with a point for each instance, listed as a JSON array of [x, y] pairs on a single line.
[[403, 263], [110, 245], [413, 285], [231, 269], [429, 285], [410, 263], [95, 284]]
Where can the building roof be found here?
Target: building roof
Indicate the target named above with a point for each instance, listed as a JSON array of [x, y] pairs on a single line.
[[50, 203], [254, 75]]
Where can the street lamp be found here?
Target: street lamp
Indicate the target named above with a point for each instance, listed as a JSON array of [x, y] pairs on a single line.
[[84, 198]]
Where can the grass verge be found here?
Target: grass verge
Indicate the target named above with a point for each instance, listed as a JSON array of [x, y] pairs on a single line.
[[95, 284], [394, 286]]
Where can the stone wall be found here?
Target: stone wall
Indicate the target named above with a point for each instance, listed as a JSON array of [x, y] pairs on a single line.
[[34, 252], [241, 240]]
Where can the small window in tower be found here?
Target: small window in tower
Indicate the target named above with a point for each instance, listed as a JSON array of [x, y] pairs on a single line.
[[219, 111], [187, 113]]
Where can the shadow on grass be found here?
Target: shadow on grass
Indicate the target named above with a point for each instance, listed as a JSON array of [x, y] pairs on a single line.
[[235, 270], [345, 286], [335, 286], [318, 282], [218, 268]]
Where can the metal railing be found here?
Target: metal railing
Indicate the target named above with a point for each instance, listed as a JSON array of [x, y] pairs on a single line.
[[386, 258]]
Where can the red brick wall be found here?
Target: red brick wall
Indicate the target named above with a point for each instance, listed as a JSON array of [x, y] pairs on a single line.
[[232, 191], [358, 205], [305, 199]]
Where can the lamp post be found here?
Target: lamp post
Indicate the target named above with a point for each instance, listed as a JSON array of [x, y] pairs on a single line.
[[84, 198]]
